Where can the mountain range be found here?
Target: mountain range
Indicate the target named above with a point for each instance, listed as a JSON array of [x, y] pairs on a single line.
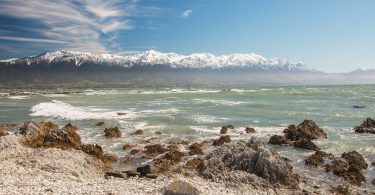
[[153, 67]]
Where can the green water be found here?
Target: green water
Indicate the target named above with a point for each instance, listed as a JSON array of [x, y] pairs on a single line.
[[199, 112]]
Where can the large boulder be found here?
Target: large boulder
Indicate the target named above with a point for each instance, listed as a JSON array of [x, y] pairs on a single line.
[[306, 144], [112, 132], [34, 132], [97, 151], [64, 138], [318, 158], [308, 130], [221, 140], [180, 188], [368, 126], [280, 140], [252, 157], [355, 159]]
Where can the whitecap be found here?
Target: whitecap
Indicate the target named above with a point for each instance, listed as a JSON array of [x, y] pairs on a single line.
[[207, 118], [218, 102], [18, 97]]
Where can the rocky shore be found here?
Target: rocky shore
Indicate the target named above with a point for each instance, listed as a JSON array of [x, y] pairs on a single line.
[[44, 158]]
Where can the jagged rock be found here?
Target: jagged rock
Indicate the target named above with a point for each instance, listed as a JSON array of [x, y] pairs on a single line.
[[250, 130], [168, 160], [340, 190], [306, 144], [70, 127], [337, 166], [317, 158], [134, 151], [280, 140], [222, 140], [180, 188], [97, 151], [354, 175], [252, 157], [368, 126], [114, 174], [100, 123], [224, 129], [308, 130], [137, 132], [64, 138], [195, 149], [355, 159], [34, 133], [359, 107], [112, 132], [193, 163], [144, 170], [154, 149]]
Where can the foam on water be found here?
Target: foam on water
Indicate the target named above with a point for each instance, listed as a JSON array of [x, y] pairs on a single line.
[[18, 97], [207, 119], [218, 102]]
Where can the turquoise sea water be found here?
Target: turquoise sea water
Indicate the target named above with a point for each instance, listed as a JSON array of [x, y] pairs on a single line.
[[199, 112]]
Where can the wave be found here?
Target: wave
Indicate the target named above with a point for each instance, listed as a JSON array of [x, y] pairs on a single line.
[[207, 119], [18, 97], [218, 102]]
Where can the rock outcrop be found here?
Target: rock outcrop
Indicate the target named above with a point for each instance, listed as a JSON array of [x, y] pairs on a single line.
[[180, 188], [221, 140], [112, 132], [368, 126], [252, 157], [317, 158], [137, 132], [195, 149], [250, 130]]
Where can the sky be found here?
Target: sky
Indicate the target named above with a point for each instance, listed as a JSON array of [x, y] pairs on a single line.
[[327, 35]]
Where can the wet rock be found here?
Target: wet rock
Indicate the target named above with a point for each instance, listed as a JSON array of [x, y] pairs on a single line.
[[373, 163], [250, 130], [221, 140], [144, 170], [64, 138], [34, 133], [224, 129], [112, 132], [157, 132], [127, 146], [354, 175], [368, 126], [252, 157], [355, 159], [133, 174], [134, 151], [338, 167], [195, 149], [180, 188], [308, 130], [170, 159], [317, 158], [306, 144], [373, 182], [341, 190], [100, 123], [70, 127], [280, 140], [114, 174], [121, 113], [137, 132], [97, 151], [154, 149], [359, 107], [193, 163]]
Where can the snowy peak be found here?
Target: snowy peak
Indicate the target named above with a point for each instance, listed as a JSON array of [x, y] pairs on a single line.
[[173, 60]]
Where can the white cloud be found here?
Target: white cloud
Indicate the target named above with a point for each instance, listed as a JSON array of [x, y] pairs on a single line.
[[85, 25], [186, 13]]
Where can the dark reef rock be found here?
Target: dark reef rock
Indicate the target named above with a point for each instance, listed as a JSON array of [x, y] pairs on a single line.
[[137, 132], [225, 129], [221, 140], [97, 151], [100, 123], [337, 167], [250, 130], [318, 158], [193, 163], [134, 151], [359, 107], [170, 159], [112, 132], [280, 140], [180, 188], [252, 157], [308, 130], [154, 149], [144, 170], [368, 126], [355, 159], [195, 149], [306, 144]]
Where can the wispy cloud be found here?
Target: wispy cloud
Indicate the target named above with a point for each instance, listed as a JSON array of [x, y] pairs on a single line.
[[186, 13], [87, 25]]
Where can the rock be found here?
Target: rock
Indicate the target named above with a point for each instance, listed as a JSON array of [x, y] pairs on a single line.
[[121, 113], [373, 163], [3, 133], [355, 159], [280, 140], [34, 133], [100, 123], [168, 160], [373, 182], [112, 132], [180, 188], [133, 174], [306, 144], [193, 163], [70, 127], [354, 175], [223, 130], [137, 132], [308, 130], [195, 149], [157, 132], [151, 176], [114, 174], [134, 151], [127, 159], [127, 146], [359, 107], [144, 170], [64, 138], [252, 157], [340, 190], [5, 128], [368, 126], [154, 149], [222, 140], [317, 158], [97, 151], [337, 166], [250, 130]]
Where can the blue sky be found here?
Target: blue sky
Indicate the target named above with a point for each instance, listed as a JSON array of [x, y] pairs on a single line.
[[328, 35]]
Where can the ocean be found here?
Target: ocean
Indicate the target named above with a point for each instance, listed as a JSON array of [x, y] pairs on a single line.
[[197, 113]]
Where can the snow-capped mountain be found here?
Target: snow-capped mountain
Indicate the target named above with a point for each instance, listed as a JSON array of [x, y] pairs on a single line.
[[171, 60]]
